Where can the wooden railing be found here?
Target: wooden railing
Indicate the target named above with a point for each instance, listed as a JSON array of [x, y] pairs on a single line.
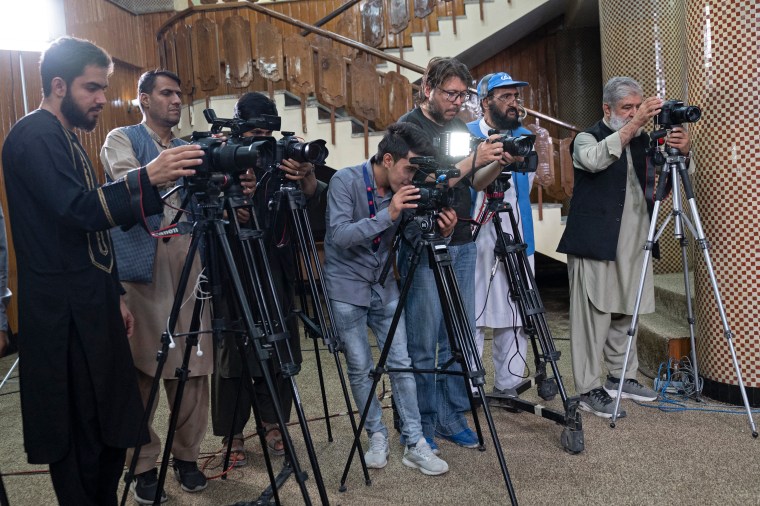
[[337, 69]]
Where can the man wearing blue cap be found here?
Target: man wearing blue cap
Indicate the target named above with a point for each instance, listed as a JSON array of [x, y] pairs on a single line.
[[499, 98]]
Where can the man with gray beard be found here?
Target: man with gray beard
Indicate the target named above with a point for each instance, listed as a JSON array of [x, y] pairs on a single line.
[[610, 211]]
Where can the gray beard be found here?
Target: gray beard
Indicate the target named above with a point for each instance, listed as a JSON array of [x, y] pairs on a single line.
[[617, 123]]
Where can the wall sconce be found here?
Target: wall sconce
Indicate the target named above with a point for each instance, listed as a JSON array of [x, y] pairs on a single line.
[[133, 104]]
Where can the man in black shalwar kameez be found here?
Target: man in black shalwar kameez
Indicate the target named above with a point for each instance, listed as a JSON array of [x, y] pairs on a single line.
[[80, 405]]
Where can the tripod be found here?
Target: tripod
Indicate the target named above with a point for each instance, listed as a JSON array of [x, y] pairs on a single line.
[[263, 339], [421, 232], [510, 252], [319, 322], [673, 168]]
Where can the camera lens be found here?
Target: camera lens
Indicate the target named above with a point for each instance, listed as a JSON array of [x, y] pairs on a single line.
[[686, 114], [518, 146], [313, 152]]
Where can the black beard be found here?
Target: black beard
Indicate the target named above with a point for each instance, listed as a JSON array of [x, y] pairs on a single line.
[[502, 121], [75, 116]]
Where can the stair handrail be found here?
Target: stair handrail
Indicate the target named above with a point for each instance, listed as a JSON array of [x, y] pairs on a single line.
[[332, 36]]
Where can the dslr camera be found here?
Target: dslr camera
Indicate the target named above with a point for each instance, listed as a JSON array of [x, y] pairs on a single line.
[[674, 112]]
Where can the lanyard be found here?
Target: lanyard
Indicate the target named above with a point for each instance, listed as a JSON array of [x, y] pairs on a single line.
[[371, 202]]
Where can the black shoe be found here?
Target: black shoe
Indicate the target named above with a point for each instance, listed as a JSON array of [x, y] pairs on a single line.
[[189, 476], [144, 487]]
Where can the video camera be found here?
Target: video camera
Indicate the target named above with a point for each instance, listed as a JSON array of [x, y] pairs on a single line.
[[432, 181], [225, 160]]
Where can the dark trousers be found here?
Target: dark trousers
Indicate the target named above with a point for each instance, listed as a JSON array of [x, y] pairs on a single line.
[[225, 394], [89, 473]]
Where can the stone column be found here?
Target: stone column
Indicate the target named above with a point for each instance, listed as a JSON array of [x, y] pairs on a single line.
[[723, 41]]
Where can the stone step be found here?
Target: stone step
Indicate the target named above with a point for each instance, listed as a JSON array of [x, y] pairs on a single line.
[[661, 334], [669, 293]]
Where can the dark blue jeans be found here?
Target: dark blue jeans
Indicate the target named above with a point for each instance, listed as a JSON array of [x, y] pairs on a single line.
[[443, 399]]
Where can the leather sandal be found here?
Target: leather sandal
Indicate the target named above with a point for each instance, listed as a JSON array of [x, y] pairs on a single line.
[[273, 437], [238, 455]]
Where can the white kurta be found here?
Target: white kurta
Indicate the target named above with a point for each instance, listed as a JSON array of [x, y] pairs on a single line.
[[493, 306]]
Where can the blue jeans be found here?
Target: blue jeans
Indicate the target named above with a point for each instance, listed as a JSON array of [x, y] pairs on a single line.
[[351, 325], [443, 399]]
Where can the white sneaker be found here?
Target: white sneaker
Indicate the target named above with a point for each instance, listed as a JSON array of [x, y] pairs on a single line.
[[421, 457], [377, 455]]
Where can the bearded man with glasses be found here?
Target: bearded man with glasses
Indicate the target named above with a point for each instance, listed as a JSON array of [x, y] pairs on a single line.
[[443, 401]]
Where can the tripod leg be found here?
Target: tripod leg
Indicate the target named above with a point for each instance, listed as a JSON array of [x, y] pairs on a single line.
[[662, 188], [705, 247], [161, 359], [456, 323], [324, 316]]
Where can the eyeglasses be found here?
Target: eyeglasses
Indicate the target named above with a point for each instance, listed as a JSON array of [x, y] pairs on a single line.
[[507, 98], [452, 96]]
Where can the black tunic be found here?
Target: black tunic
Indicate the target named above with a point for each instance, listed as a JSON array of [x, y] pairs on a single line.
[[68, 284]]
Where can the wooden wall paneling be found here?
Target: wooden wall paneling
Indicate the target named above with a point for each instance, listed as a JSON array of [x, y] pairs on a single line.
[[299, 69], [206, 54], [373, 22], [347, 26], [97, 21], [364, 95], [332, 84], [11, 110], [424, 8], [32, 80], [170, 51], [269, 57], [395, 99], [567, 175], [236, 33], [184, 49], [398, 16]]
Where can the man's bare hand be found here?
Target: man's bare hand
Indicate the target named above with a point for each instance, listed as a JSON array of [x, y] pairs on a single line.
[[174, 163], [679, 138], [404, 198], [303, 172], [248, 182], [648, 109], [126, 315], [243, 215], [489, 151], [447, 219]]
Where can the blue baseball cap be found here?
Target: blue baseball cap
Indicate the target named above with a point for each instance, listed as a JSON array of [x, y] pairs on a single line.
[[497, 80]]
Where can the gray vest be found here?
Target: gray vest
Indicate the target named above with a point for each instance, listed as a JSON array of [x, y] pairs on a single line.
[[135, 248]]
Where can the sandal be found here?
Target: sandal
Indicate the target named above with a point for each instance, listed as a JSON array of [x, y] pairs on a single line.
[[238, 455], [273, 438]]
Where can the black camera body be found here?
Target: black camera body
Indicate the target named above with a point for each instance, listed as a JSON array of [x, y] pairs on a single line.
[[432, 181], [674, 112], [521, 145]]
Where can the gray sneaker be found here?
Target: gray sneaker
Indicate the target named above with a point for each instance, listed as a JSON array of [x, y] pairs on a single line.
[[377, 455], [421, 457], [597, 401], [632, 389]]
